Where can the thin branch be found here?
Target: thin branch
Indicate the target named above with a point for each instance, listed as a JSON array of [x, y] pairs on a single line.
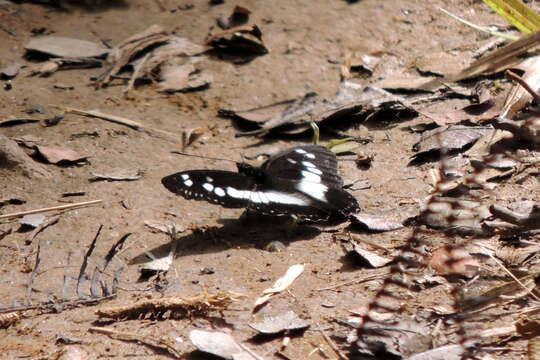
[[54, 208], [515, 77]]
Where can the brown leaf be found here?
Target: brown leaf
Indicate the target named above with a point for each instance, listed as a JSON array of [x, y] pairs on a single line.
[[62, 47], [58, 154], [280, 323], [246, 38]]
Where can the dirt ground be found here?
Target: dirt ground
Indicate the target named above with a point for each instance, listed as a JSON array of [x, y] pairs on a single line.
[[216, 252]]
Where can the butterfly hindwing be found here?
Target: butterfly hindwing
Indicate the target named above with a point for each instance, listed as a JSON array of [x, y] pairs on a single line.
[[313, 163]]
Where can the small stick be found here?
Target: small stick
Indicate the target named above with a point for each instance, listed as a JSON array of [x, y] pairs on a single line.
[[127, 122], [515, 77], [146, 340], [333, 345], [54, 208], [355, 281], [9, 31], [85, 263], [42, 227]]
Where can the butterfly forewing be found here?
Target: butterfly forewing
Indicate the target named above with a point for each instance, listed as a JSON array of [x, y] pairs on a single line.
[[226, 188]]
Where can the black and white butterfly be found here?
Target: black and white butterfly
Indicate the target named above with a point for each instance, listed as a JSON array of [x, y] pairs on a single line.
[[301, 181]]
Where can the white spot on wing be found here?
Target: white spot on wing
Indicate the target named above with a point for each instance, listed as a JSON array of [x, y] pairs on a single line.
[[315, 190], [208, 187], [292, 161], [310, 156], [188, 182], [310, 177], [185, 176], [284, 198], [308, 164], [238, 194], [300, 151], [315, 171], [209, 179], [219, 191]]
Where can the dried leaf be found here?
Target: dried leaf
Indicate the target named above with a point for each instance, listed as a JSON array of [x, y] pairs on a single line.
[[32, 220], [371, 258], [185, 77], [14, 157], [64, 47], [10, 71], [447, 352], [280, 323], [377, 223], [475, 113], [440, 63], [453, 140], [247, 38], [58, 154], [449, 260], [460, 216], [218, 343], [281, 284], [518, 97]]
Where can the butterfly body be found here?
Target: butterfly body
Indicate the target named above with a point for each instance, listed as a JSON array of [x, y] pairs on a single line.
[[301, 181]]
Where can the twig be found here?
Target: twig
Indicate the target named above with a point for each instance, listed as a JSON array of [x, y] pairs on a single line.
[[355, 281], [66, 277], [530, 291], [146, 340], [29, 288], [126, 122], [54, 208], [333, 345], [85, 263], [515, 77]]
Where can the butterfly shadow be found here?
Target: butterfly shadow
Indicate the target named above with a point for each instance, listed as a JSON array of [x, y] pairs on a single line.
[[256, 231]]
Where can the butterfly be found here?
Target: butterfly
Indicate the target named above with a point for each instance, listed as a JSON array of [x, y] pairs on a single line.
[[302, 181]]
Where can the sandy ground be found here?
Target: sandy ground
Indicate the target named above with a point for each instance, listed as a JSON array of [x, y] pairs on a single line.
[[307, 41]]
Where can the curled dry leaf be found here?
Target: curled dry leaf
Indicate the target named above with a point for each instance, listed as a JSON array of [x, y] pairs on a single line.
[[247, 38], [281, 284], [280, 323], [59, 154], [518, 97], [448, 260], [370, 257]]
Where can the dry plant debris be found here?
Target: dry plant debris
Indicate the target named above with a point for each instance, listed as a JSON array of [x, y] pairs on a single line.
[[221, 344], [171, 307], [280, 285]]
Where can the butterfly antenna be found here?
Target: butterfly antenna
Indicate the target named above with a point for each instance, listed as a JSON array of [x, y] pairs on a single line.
[[201, 156]]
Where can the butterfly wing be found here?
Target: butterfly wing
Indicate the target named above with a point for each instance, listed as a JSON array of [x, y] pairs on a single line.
[[299, 162], [226, 188], [312, 171]]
